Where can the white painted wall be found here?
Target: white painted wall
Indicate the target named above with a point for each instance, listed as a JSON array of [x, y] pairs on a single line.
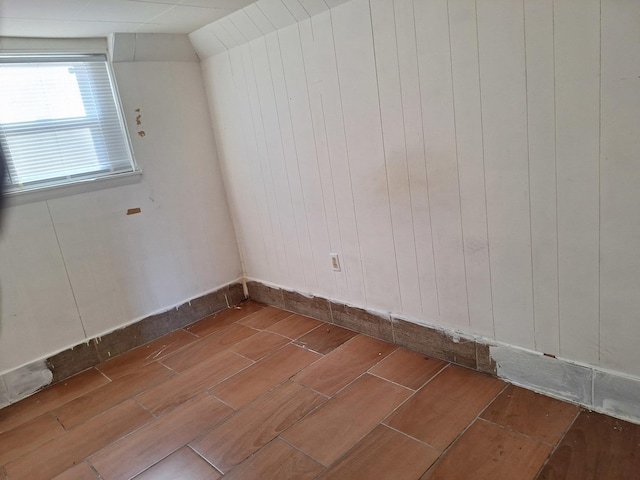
[[475, 164], [76, 267]]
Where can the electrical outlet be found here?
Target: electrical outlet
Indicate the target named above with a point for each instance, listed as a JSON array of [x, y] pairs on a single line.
[[335, 261]]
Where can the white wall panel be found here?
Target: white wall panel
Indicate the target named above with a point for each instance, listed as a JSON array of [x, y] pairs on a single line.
[[230, 140], [504, 119], [260, 166], [619, 181], [39, 314], [307, 160], [450, 152], [118, 264], [254, 178], [469, 144], [361, 110], [434, 63], [334, 161], [538, 17], [275, 165], [79, 266], [577, 67], [395, 151], [416, 163], [306, 261]]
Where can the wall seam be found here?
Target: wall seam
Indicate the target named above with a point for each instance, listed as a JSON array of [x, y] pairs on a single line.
[[66, 270]]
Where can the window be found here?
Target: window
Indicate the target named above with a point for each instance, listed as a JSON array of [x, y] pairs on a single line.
[[60, 121]]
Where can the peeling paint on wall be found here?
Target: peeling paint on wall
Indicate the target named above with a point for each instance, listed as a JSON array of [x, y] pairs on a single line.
[[141, 132]]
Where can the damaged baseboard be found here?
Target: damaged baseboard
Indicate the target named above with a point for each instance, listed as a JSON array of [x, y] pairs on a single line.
[[24, 381], [594, 388]]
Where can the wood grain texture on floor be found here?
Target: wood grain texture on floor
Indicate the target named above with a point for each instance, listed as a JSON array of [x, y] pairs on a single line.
[[183, 463], [148, 445], [334, 428], [256, 425], [260, 393], [532, 414], [145, 354], [596, 447], [82, 471], [445, 406], [344, 364], [325, 338], [487, 452], [50, 398], [384, 454]]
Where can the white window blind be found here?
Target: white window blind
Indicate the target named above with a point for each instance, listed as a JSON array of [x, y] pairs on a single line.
[[60, 121]]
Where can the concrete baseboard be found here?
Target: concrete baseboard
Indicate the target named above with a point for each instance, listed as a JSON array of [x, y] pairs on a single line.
[[594, 388]]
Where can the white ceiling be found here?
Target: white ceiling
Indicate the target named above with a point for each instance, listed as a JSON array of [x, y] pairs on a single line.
[[98, 18]]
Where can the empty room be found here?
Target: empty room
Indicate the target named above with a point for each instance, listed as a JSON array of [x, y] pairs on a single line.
[[320, 239]]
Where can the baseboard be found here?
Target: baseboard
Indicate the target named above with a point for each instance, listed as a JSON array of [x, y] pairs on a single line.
[[26, 380], [594, 388]]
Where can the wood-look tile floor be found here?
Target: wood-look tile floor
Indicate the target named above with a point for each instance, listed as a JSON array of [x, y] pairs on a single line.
[[259, 393]]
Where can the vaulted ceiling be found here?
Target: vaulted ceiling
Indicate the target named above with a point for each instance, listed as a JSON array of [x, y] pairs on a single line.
[[96, 18]]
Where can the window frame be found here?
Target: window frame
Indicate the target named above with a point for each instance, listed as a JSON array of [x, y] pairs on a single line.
[[72, 184]]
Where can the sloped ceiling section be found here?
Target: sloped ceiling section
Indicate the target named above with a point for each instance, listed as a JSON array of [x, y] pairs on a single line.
[[253, 21], [98, 18]]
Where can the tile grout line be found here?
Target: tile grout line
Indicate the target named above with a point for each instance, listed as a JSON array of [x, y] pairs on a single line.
[[205, 390], [143, 407], [87, 459], [409, 436], [328, 399], [357, 441], [92, 468], [111, 407], [560, 440], [326, 468], [237, 411], [101, 373], [163, 358], [213, 316], [517, 432], [184, 329], [412, 390], [340, 390], [154, 419], [184, 348], [135, 397], [200, 456], [414, 393], [157, 358], [464, 430]]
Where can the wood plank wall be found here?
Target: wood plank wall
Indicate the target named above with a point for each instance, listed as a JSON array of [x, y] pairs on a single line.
[[475, 164]]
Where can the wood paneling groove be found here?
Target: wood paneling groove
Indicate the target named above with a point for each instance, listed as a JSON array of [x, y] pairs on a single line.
[[469, 161]]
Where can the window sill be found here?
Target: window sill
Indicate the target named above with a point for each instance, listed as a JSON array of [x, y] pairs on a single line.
[[84, 186]]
